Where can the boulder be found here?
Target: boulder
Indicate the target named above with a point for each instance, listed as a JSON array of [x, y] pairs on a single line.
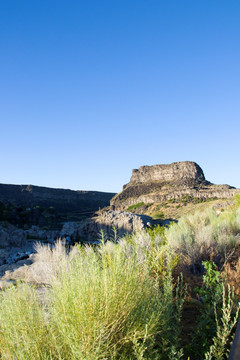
[[69, 229], [124, 222], [17, 238], [4, 238], [36, 233], [11, 236]]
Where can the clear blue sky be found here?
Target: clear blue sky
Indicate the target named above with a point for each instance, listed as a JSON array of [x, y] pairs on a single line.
[[90, 89]]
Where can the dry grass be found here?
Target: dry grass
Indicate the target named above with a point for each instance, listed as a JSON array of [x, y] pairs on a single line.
[[231, 273], [205, 235], [117, 301], [100, 305], [178, 209]]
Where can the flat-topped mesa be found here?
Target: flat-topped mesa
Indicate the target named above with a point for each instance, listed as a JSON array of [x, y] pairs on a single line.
[[177, 171], [159, 183]]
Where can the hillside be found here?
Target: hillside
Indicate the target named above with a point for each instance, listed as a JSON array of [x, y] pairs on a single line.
[[170, 190], [23, 204]]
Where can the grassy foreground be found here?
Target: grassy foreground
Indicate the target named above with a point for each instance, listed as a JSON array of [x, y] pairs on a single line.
[[126, 299]]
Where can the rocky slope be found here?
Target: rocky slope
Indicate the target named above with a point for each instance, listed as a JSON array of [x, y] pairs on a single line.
[[18, 246], [36, 205], [124, 222], [159, 183], [61, 199]]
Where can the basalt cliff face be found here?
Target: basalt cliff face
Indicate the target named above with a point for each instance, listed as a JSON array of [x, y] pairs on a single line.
[[178, 171], [158, 183]]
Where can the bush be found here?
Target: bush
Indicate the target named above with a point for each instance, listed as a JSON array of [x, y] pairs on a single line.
[[212, 335], [23, 331], [101, 304], [203, 235], [158, 215], [118, 300], [104, 305], [136, 206]]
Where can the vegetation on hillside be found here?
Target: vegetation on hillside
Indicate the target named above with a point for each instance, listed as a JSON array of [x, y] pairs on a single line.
[[25, 217], [163, 293], [176, 208]]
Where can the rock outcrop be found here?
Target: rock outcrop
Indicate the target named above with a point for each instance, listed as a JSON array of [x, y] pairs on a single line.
[[124, 222], [11, 236], [158, 183], [178, 171], [90, 229], [35, 233]]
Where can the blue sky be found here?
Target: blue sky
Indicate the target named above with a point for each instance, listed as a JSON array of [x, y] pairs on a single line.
[[91, 89]]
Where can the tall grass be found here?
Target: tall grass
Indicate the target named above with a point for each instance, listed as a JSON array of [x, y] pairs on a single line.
[[205, 234], [23, 330], [224, 326], [116, 301], [101, 304]]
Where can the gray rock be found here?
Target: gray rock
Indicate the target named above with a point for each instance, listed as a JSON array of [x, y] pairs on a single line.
[[11, 236], [36, 233], [168, 172], [158, 183], [69, 229], [4, 238], [124, 222], [17, 237]]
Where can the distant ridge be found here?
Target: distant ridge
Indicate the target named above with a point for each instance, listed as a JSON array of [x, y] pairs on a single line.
[[61, 199]]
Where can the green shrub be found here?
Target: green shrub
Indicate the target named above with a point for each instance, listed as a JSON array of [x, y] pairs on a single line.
[[102, 304], [159, 215], [118, 300], [23, 330], [135, 206], [210, 294], [225, 323], [237, 200], [201, 235], [212, 334]]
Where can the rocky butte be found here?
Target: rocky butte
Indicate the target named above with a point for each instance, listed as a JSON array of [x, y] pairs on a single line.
[[158, 183]]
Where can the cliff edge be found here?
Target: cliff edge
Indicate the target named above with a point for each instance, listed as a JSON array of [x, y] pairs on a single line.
[[159, 183]]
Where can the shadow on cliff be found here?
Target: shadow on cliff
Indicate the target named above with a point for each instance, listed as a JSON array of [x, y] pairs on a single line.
[[96, 231]]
